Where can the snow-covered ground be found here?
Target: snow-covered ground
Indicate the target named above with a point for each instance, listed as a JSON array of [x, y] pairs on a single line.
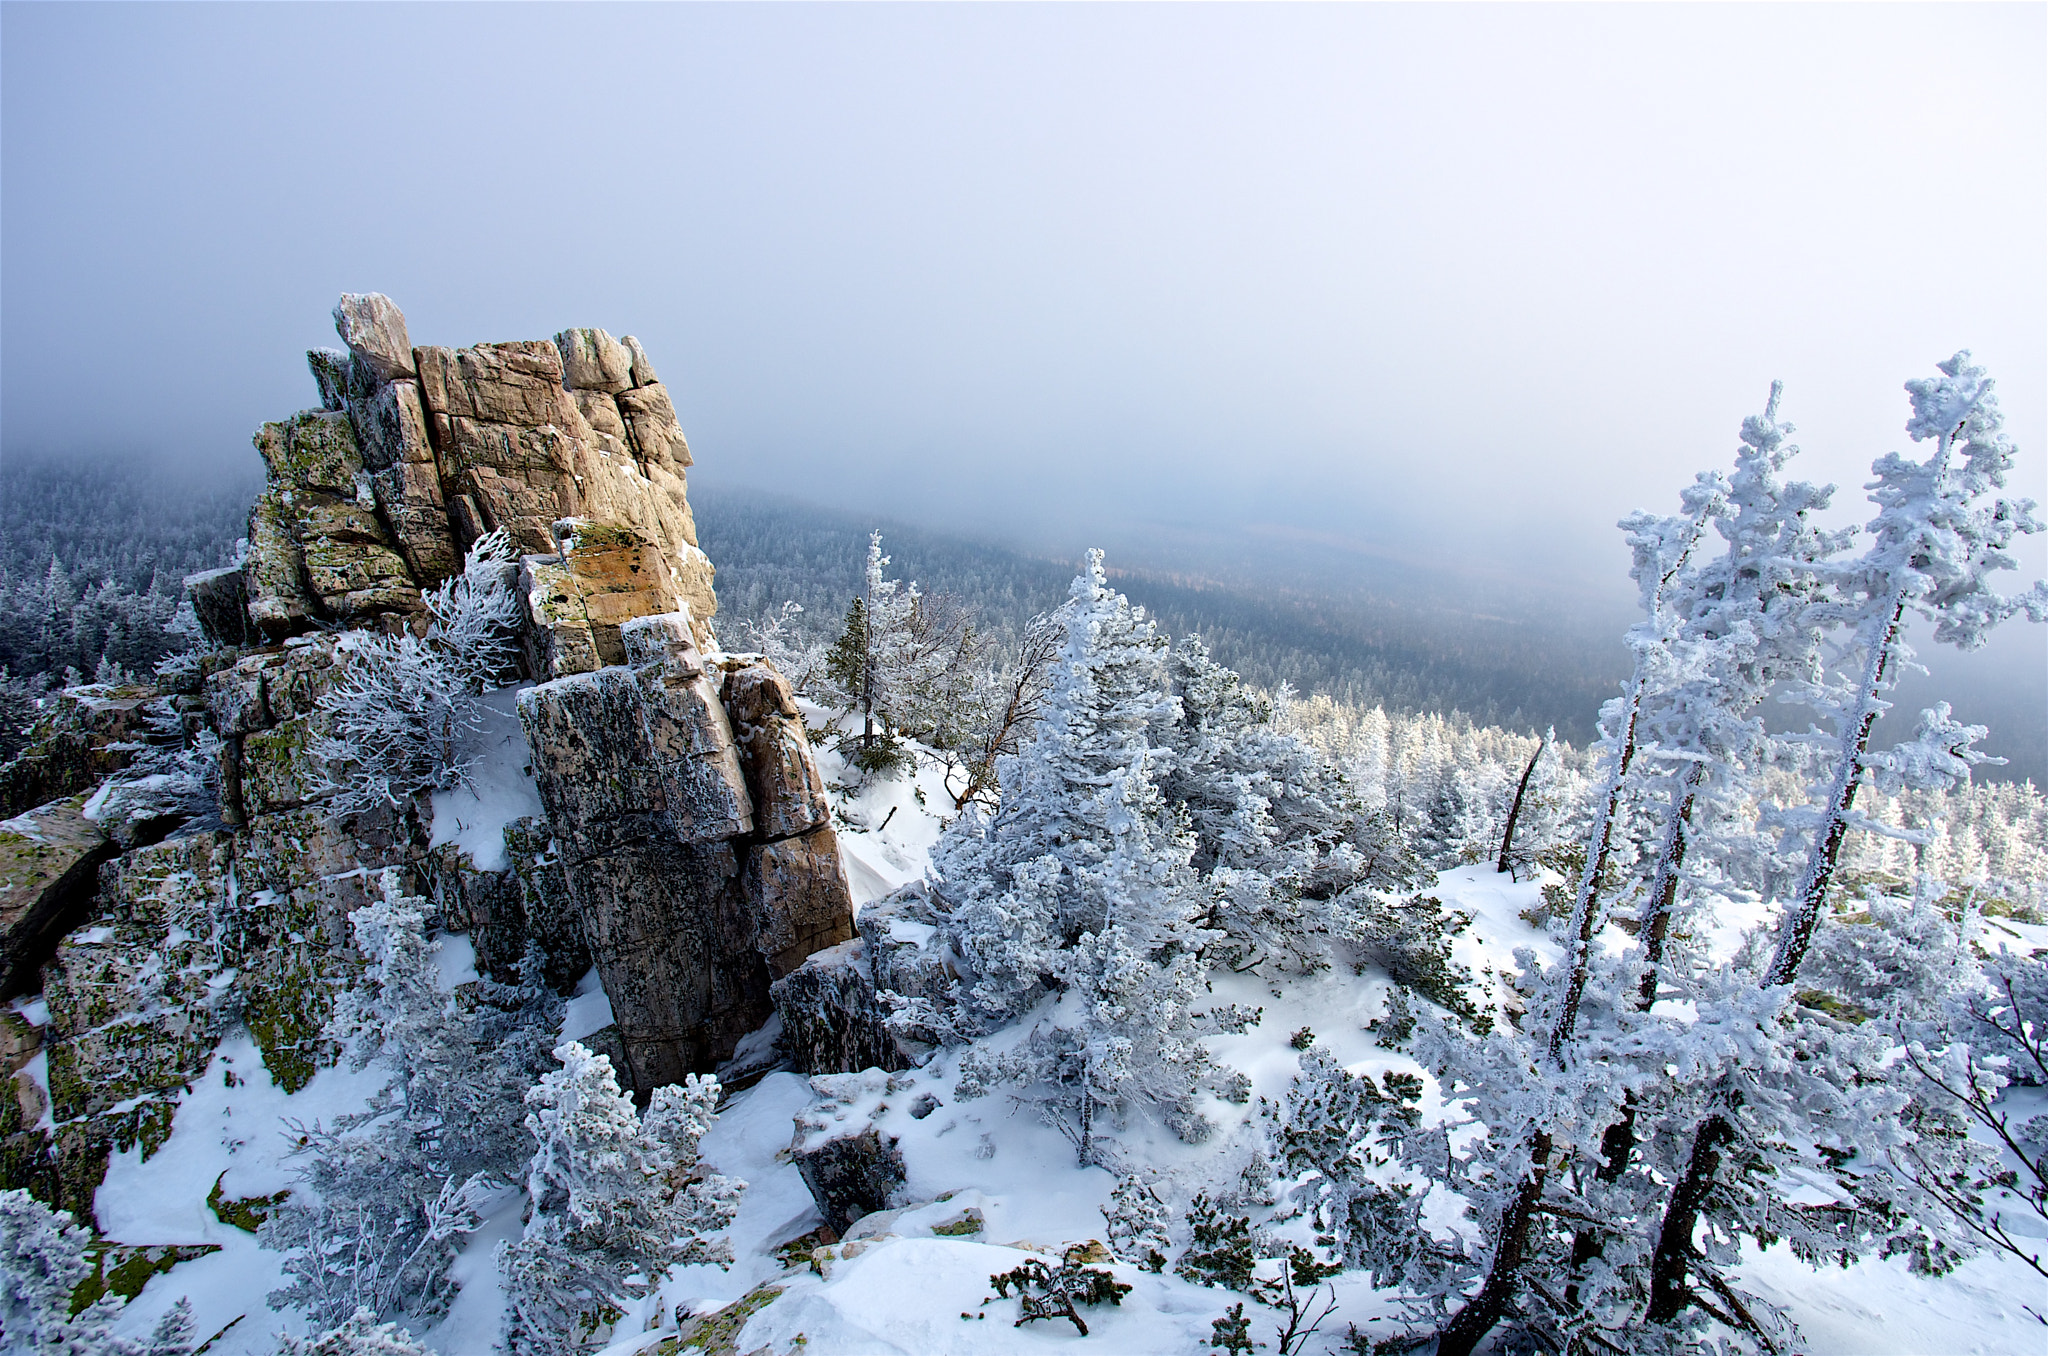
[[897, 1286]]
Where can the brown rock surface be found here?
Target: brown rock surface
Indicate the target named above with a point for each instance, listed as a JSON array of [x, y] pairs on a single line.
[[594, 361], [48, 861], [374, 330], [788, 794], [391, 426], [797, 895], [656, 436], [643, 369], [667, 932], [517, 383]]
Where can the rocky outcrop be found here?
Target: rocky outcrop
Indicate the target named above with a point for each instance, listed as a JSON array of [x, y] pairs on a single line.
[[689, 911], [874, 1002], [374, 330], [832, 1019], [789, 795], [189, 937], [415, 453], [851, 1167], [684, 847], [220, 599], [48, 858], [505, 912], [82, 735], [321, 500]]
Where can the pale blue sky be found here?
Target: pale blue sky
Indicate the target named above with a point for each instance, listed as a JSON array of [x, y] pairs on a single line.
[[1445, 280]]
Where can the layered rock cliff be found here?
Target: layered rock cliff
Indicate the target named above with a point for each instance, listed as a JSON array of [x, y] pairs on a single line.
[[684, 846]]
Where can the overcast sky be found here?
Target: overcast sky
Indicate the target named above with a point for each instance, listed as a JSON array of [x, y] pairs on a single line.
[[1444, 281]]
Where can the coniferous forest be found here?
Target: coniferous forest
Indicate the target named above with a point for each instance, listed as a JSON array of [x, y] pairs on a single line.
[[986, 680], [1345, 1022]]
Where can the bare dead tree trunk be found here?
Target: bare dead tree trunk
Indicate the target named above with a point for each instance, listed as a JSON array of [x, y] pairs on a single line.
[[1507, 837]]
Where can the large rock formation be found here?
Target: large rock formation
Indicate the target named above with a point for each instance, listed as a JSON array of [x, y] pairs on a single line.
[[684, 846], [700, 862], [570, 446]]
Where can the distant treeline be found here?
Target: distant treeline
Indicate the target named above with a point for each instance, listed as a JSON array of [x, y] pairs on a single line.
[[1407, 657], [93, 557]]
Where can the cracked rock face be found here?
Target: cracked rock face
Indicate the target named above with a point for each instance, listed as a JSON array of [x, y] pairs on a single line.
[[691, 911], [48, 858]]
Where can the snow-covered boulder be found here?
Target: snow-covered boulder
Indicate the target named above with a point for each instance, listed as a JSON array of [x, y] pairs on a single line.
[[871, 1002], [850, 1166], [832, 1020]]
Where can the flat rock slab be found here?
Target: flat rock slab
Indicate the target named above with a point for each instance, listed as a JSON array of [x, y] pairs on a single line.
[[48, 861]]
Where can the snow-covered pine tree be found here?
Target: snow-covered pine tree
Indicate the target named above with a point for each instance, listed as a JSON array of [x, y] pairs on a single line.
[[360, 1335], [1523, 1088], [1139, 1227], [42, 1261], [907, 663], [1719, 636], [1936, 541], [1288, 852], [1334, 1136], [404, 706], [612, 1203], [1082, 884], [385, 1195], [1024, 885], [1744, 624], [1991, 1035]]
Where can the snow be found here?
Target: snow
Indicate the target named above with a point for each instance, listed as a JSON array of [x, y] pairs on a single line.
[[476, 1317], [230, 1128], [455, 955], [887, 827], [500, 788], [897, 1287], [588, 1010]]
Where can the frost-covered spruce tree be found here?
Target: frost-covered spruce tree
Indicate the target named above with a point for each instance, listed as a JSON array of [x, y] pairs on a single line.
[[1289, 855], [905, 664], [1529, 1087], [1082, 887], [401, 713], [1989, 1037], [42, 1261], [1335, 1136], [385, 1195], [1138, 1224], [1719, 634], [1023, 886], [360, 1335], [613, 1202], [1744, 623], [1939, 536]]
